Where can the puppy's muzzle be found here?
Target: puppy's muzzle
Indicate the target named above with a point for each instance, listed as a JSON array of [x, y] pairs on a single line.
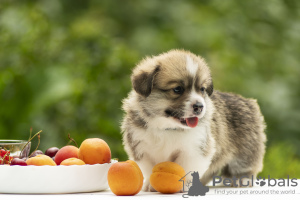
[[197, 108]]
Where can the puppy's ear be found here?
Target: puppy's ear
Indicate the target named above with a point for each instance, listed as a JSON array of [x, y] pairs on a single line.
[[142, 81], [210, 88]]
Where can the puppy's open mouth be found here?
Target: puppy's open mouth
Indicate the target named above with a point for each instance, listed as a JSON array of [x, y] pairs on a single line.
[[190, 122]]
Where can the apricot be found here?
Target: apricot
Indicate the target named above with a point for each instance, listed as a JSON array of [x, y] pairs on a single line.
[[72, 161], [165, 177], [40, 160], [66, 152], [125, 178], [94, 151]]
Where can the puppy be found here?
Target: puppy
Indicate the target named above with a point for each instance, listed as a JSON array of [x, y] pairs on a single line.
[[174, 114]]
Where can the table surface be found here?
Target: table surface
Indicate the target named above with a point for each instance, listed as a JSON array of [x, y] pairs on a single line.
[[257, 192]]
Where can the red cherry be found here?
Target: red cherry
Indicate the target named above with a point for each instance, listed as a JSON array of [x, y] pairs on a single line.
[[51, 152], [35, 153], [18, 161]]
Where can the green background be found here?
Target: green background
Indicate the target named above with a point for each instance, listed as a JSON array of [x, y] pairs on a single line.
[[65, 65]]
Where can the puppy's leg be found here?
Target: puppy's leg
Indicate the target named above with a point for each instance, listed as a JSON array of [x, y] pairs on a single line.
[[208, 176], [241, 176], [191, 163], [146, 164]]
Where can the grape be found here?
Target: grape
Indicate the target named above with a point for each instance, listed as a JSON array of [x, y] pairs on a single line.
[[18, 161], [37, 152], [51, 152]]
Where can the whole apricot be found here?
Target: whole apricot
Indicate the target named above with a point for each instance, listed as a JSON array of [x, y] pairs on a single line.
[[40, 160], [94, 151], [72, 161], [125, 178], [165, 177], [66, 152]]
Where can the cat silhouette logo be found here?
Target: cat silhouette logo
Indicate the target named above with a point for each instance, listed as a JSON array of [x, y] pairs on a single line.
[[196, 188]]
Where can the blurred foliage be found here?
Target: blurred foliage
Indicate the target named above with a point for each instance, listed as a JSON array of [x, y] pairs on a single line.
[[65, 65]]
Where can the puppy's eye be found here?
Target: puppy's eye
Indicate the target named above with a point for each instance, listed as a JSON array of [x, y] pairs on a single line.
[[202, 89], [178, 90]]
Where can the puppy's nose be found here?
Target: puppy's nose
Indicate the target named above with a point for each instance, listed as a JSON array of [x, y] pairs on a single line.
[[197, 108]]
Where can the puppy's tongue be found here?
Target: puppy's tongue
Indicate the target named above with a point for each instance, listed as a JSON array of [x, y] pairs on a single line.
[[192, 122]]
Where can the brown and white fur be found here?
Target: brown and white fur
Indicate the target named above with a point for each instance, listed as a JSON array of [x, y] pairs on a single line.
[[228, 138]]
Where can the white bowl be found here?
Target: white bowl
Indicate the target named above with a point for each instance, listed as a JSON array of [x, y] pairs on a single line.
[[54, 179]]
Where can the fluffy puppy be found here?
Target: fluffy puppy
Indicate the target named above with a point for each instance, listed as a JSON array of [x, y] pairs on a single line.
[[173, 114]]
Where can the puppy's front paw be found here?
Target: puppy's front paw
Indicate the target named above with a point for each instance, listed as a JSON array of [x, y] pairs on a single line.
[[148, 188], [152, 189]]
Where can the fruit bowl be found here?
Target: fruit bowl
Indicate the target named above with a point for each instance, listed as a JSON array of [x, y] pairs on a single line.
[[54, 179]]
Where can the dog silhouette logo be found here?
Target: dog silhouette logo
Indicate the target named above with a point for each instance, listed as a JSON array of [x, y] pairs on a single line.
[[196, 188]]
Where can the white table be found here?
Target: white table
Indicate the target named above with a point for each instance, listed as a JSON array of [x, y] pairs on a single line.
[[218, 193]]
